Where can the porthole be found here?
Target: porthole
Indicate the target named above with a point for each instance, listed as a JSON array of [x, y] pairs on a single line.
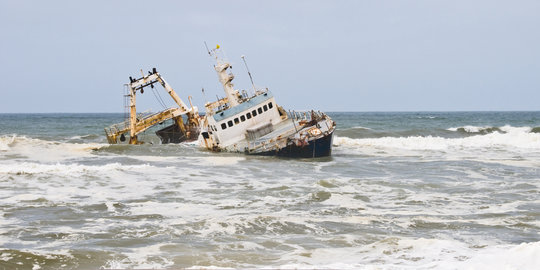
[[229, 123], [223, 126], [242, 118], [265, 108], [248, 115]]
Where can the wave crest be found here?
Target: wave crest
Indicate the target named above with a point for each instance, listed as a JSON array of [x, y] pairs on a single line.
[[490, 129], [510, 138], [39, 149], [6, 142], [70, 170]]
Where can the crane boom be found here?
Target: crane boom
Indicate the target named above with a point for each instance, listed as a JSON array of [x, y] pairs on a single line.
[[137, 125]]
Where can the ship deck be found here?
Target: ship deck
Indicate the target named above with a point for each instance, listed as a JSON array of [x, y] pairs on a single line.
[[284, 129]]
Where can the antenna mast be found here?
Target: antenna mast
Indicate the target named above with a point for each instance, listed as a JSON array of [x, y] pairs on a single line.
[[204, 95], [249, 73], [205, 45]]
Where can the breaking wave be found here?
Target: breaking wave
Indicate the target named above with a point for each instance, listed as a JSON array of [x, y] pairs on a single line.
[[359, 132], [510, 138], [490, 129], [26, 147], [6, 142], [361, 128], [475, 129], [389, 253], [28, 168], [420, 254]]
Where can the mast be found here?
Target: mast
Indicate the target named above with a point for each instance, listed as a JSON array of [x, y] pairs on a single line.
[[132, 115], [225, 78], [137, 125], [249, 73]]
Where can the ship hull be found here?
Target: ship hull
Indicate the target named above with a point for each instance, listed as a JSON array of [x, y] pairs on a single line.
[[321, 147], [173, 134]]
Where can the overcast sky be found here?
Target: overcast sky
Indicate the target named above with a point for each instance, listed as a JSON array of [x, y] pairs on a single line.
[[75, 56]]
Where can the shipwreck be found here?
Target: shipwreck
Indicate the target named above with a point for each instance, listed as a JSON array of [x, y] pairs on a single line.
[[252, 123]]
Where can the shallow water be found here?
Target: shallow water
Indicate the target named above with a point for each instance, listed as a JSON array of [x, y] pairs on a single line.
[[402, 190]]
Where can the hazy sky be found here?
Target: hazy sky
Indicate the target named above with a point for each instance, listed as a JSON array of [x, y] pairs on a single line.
[[75, 56]]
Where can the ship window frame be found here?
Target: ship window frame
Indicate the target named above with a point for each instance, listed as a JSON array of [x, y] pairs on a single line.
[[242, 118], [230, 123], [260, 110], [270, 105], [236, 121], [248, 115], [254, 113], [223, 126], [265, 108]]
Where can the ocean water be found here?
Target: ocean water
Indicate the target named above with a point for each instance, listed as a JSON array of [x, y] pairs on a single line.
[[429, 190]]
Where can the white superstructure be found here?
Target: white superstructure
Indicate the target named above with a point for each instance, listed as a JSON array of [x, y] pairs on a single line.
[[255, 124], [231, 122]]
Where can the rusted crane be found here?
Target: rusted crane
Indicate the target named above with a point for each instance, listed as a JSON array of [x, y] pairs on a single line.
[[178, 131]]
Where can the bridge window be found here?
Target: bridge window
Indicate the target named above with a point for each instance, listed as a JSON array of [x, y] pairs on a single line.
[[260, 110], [236, 121], [270, 105], [265, 108], [254, 112], [242, 118], [248, 115], [230, 123], [223, 126]]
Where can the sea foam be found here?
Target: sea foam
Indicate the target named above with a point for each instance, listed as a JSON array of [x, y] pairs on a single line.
[[44, 150], [512, 138], [394, 253], [6, 141], [71, 170]]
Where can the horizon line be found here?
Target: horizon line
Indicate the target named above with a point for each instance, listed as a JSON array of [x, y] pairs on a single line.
[[330, 111]]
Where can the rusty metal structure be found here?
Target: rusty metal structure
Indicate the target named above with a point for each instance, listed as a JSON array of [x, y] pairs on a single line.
[[185, 125]]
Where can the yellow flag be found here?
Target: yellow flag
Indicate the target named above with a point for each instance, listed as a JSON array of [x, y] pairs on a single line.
[[217, 46]]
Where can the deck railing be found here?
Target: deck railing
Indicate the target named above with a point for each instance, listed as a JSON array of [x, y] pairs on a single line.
[[305, 115]]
